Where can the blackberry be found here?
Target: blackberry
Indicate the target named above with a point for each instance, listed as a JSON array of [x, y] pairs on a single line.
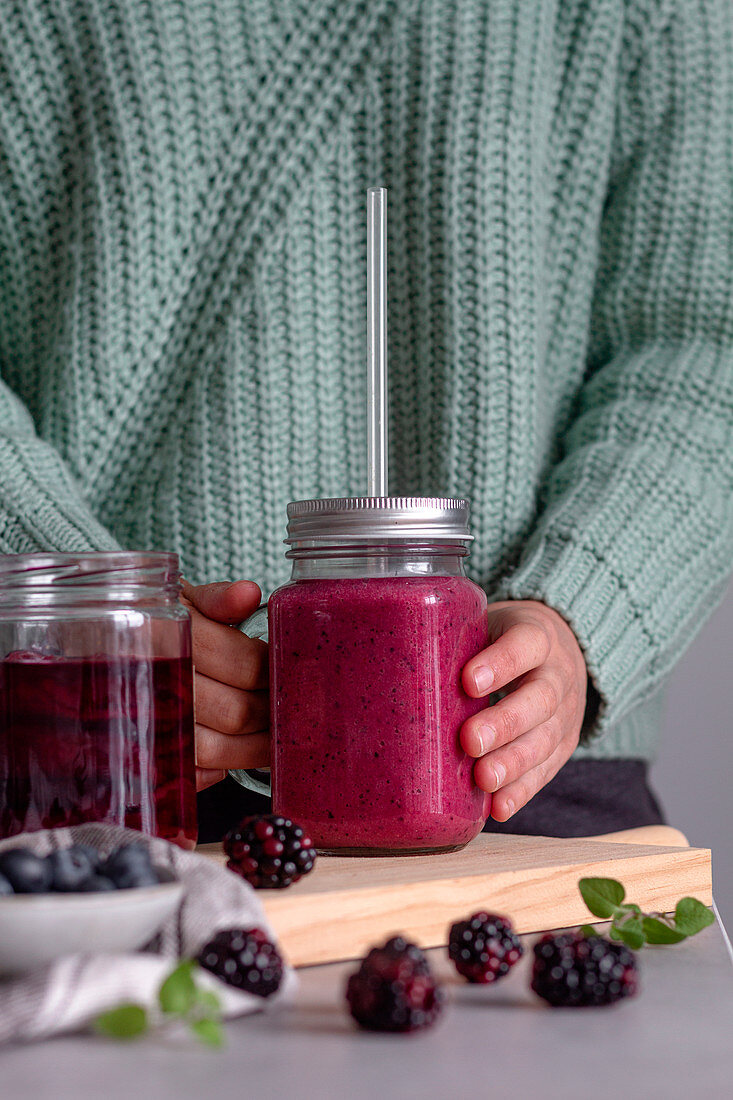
[[484, 948], [394, 989], [269, 851], [244, 958], [574, 969]]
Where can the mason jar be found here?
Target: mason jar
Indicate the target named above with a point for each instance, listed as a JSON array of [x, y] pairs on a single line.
[[367, 643], [96, 694]]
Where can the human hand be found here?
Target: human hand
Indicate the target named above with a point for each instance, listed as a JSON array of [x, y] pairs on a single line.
[[522, 741], [230, 680]]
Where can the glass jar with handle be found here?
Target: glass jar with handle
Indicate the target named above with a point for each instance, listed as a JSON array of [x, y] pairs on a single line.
[[367, 643]]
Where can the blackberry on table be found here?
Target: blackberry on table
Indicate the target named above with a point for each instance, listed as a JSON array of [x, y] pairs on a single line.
[[244, 958], [269, 851], [484, 948], [571, 969], [394, 989]]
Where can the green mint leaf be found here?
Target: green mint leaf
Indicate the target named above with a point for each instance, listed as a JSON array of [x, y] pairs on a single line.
[[602, 895], [208, 1031], [614, 933], [177, 994], [657, 931], [625, 914], [127, 1021], [588, 930], [631, 932], [208, 1000], [691, 916]]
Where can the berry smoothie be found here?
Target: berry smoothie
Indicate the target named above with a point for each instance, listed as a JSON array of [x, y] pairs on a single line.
[[367, 706], [97, 739]]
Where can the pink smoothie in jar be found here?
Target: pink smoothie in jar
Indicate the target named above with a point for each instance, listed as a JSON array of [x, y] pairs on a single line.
[[367, 644], [368, 704]]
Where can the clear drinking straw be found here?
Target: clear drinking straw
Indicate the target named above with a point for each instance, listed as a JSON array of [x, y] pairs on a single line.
[[377, 484]]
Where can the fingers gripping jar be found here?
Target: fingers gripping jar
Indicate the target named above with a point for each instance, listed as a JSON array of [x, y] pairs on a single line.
[[367, 644], [96, 694]]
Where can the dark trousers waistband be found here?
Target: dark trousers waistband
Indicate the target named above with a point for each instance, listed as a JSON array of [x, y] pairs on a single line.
[[586, 797]]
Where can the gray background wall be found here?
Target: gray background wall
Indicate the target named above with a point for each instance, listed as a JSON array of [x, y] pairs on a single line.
[[694, 771]]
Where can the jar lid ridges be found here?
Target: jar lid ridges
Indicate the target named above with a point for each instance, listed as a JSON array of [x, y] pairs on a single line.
[[336, 504], [351, 519]]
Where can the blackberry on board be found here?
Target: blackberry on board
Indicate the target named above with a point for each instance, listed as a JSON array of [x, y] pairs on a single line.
[[269, 851], [394, 989], [572, 969], [484, 948], [244, 958]]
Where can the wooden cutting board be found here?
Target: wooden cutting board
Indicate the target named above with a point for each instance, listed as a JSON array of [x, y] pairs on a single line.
[[347, 904]]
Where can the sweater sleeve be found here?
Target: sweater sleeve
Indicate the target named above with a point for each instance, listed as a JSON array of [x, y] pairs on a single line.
[[41, 506], [635, 541]]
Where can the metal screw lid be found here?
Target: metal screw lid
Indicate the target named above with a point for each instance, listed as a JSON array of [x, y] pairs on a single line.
[[352, 519]]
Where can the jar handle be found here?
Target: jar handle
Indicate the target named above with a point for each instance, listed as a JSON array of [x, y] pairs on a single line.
[[255, 779]]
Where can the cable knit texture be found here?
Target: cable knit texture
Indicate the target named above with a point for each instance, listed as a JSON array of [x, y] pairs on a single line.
[[182, 289]]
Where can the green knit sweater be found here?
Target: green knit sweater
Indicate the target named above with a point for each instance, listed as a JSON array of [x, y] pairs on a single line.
[[182, 291]]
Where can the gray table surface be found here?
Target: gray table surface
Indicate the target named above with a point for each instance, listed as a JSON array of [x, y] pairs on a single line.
[[675, 1039]]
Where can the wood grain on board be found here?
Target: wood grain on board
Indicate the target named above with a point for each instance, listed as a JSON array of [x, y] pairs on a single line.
[[346, 904]]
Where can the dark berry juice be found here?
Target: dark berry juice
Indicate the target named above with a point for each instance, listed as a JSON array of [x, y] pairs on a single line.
[[97, 739], [367, 706]]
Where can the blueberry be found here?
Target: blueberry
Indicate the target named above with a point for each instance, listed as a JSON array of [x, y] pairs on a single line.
[[93, 855], [130, 855], [70, 868], [5, 887], [96, 884], [26, 872], [130, 866], [128, 879]]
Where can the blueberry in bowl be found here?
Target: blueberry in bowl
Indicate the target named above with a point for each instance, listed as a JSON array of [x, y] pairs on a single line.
[[77, 900], [130, 867], [26, 872], [71, 868]]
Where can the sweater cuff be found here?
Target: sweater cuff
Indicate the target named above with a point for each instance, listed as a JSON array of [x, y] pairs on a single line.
[[580, 585]]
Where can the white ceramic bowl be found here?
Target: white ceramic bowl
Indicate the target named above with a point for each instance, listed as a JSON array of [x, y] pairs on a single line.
[[37, 928]]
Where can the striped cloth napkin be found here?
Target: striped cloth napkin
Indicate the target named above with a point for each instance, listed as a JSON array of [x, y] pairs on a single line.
[[68, 994]]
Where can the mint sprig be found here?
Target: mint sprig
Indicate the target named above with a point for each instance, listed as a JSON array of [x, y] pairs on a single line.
[[177, 994], [179, 998], [605, 899], [127, 1021]]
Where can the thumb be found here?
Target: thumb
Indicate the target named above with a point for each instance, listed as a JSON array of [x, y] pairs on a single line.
[[224, 601]]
